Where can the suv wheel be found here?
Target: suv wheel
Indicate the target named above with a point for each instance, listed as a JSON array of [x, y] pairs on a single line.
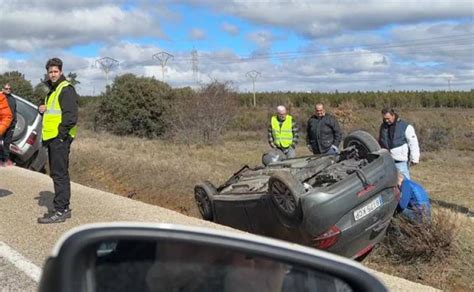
[[203, 194], [363, 141], [20, 127], [285, 191]]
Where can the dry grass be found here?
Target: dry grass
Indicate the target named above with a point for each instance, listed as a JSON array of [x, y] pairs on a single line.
[[164, 174], [431, 241], [448, 176], [158, 172], [440, 254]]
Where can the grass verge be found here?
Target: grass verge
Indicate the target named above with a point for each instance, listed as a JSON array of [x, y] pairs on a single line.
[[438, 254]]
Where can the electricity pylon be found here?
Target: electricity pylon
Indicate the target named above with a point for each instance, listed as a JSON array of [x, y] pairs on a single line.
[[162, 57], [106, 64], [253, 75], [195, 61]]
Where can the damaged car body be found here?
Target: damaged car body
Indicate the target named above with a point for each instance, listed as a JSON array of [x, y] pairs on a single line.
[[341, 203]]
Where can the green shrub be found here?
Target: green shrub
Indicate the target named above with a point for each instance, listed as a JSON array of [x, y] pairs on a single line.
[[251, 119], [433, 138], [134, 106], [39, 93], [19, 84]]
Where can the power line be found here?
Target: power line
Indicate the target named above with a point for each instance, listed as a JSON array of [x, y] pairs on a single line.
[[195, 65], [430, 43]]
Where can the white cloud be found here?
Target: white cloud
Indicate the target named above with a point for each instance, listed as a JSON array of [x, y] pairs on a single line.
[[27, 30], [324, 18], [263, 39], [197, 34], [230, 29], [341, 49], [447, 43]]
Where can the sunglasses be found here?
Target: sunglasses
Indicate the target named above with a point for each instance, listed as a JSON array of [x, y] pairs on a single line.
[[7, 88]]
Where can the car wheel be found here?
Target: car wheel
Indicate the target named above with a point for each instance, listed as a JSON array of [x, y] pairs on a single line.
[[203, 194], [363, 141], [285, 190], [20, 127]]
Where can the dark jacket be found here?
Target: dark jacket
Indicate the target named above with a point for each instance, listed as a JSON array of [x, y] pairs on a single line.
[[393, 136], [322, 133], [69, 100]]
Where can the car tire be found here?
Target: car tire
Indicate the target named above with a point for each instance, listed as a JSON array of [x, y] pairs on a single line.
[[363, 141], [204, 194], [20, 127], [285, 191]]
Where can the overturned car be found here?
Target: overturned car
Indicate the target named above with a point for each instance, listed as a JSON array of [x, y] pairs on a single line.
[[341, 203]]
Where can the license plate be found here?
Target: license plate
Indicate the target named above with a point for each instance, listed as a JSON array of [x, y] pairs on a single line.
[[367, 209]]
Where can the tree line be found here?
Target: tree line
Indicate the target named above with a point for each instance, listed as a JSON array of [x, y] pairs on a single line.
[[149, 108], [369, 99]]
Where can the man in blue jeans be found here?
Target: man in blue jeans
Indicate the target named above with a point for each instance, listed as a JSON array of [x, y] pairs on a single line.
[[399, 137], [414, 202]]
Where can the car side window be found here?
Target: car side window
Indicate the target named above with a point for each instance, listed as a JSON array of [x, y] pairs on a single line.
[[171, 266]]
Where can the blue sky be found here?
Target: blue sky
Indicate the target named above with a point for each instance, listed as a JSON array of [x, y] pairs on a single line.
[[297, 45]]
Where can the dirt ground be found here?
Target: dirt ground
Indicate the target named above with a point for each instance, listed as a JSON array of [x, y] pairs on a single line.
[[164, 174]]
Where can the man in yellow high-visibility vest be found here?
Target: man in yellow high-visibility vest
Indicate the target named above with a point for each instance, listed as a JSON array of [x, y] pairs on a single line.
[[283, 132], [59, 129]]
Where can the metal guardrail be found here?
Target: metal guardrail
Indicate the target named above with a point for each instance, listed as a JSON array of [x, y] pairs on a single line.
[[454, 207]]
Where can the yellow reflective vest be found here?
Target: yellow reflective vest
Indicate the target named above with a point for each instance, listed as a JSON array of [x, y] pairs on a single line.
[[282, 136], [52, 117]]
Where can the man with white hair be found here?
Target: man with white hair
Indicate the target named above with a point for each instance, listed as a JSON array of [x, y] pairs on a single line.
[[283, 132]]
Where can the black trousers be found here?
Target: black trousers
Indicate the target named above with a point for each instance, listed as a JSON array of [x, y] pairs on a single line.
[[7, 140], [58, 152]]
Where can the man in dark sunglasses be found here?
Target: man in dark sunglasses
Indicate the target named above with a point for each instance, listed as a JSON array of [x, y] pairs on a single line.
[[8, 136]]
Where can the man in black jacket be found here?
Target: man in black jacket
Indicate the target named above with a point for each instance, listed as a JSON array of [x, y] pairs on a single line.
[[8, 137], [59, 129], [323, 133]]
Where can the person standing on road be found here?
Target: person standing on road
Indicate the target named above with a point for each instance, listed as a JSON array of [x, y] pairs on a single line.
[[59, 129], [283, 132], [323, 133], [6, 116], [400, 139], [8, 136], [414, 203]]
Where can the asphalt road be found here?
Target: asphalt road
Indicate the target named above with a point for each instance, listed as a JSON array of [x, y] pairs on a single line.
[[24, 244], [13, 279]]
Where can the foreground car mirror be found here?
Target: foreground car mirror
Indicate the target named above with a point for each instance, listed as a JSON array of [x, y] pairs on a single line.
[[162, 257]]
